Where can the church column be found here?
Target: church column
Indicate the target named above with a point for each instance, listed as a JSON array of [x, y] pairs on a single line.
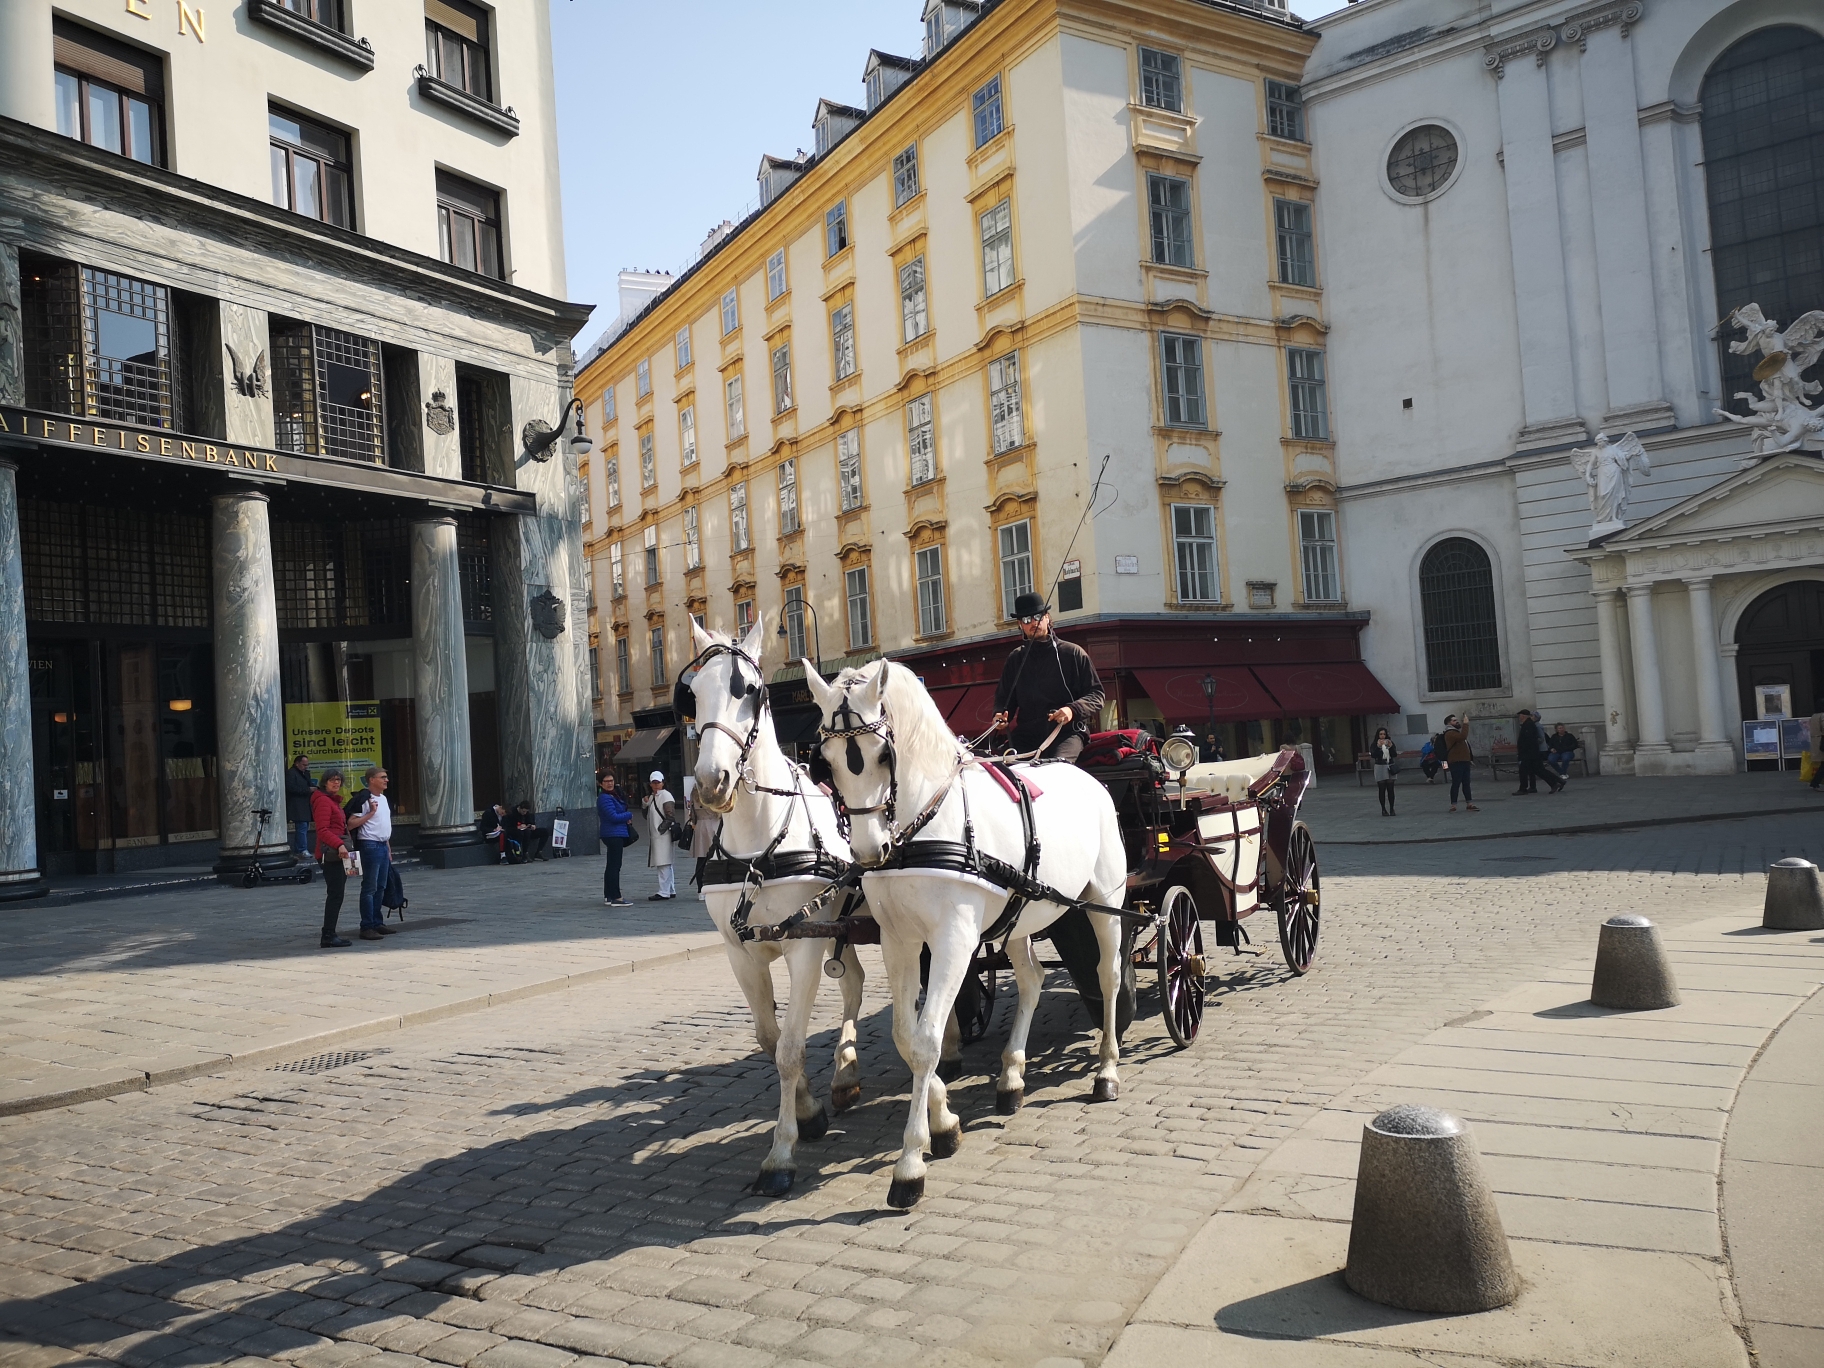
[[1617, 738], [19, 876], [440, 668], [1652, 750], [1714, 753], [249, 708]]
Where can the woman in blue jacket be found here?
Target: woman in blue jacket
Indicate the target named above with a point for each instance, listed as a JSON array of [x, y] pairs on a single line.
[[616, 818]]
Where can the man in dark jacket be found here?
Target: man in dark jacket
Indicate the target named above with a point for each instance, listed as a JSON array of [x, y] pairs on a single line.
[[297, 802], [1531, 745], [1046, 683]]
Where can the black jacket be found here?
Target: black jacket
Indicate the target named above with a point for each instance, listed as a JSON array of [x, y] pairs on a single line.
[[297, 795], [1060, 674], [1531, 741]]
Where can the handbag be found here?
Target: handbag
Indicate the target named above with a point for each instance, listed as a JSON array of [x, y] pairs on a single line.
[[631, 837]]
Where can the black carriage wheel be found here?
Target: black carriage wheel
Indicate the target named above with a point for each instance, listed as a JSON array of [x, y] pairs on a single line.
[[975, 1009], [1298, 903], [1181, 965]]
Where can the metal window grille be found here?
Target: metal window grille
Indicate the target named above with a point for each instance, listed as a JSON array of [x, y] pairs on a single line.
[[861, 618], [737, 516], [1310, 410], [848, 469], [656, 647], [921, 441], [737, 418], [788, 495], [693, 545], [997, 248], [51, 293], [836, 228], [1317, 554], [794, 623], [99, 344], [775, 275], [987, 109], [1457, 602], [1007, 416], [182, 578], [842, 340], [1422, 161], [782, 378], [731, 313], [905, 175], [475, 565], [1182, 363], [95, 564], [1292, 229], [1169, 206], [1285, 111], [914, 314], [1161, 81], [327, 394], [1016, 563], [928, 566], [337, 575], [1194, 552], [687, 435]]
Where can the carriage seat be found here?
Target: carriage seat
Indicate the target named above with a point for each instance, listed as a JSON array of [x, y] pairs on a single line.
[[1229, 778]]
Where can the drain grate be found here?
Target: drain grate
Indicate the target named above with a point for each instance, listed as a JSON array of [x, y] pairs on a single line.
[[323, 1063]]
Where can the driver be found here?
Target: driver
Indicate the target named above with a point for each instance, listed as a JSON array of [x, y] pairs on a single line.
[[1046, 682]]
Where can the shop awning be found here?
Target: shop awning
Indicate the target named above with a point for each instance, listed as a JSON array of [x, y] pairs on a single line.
[[1178, 694], [643, 746], [1345, 689], [792, 725]]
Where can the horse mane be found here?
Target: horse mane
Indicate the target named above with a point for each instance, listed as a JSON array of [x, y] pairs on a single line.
[[923, 740]]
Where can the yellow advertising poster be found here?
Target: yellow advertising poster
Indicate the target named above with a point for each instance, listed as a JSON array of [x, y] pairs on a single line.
[[343, 736]]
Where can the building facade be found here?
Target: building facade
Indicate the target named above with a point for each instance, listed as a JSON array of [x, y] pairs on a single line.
[[1070, 242], [1535, 215], [281, 329]]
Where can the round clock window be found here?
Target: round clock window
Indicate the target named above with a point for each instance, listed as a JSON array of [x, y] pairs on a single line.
[[1422, 162]]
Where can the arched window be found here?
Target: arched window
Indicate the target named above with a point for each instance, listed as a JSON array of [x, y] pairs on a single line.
[[1764, 170], [1457, 598]]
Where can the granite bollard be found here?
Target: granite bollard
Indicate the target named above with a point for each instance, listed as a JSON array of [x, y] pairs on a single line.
[[1632, 971], [1795, 899], [1426, 1235]]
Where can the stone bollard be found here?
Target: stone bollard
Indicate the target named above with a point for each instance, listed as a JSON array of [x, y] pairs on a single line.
[[1426, 1235], [1632, 971], [1795, 901]]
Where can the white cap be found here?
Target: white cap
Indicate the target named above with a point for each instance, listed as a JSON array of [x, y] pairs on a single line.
[[658, 775]]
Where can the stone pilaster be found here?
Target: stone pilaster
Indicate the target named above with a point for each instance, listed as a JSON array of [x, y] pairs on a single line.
[[231, 357], [1715, 754], [249, 709], [440, 668], [1652, 751], [19, 876], [12, 337]]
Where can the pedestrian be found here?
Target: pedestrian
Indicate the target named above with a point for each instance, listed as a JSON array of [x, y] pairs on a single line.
[[373, 828], [492, 824], [331, 824], [1529, 742], [1211, 752], [1814, 725], [299, 793], [615, 819], [1562, 747], [1458, 757], [660, 806], [705, 826], [1383, 753], [1430, 762]]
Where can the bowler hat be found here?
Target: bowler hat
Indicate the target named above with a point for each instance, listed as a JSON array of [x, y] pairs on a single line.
[[1030, 605]]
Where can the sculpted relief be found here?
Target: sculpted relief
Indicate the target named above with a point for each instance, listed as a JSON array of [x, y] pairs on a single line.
[[1608, 468], [1780, 418]]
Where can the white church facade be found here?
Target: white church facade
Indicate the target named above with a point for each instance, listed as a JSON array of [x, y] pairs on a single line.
[[1533, 217]]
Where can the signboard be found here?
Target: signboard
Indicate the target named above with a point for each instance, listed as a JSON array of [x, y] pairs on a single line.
[[1127, 565], [560, 834], [1761, 740], [1773, 700], [344, 736], [1795, 737], [1073, 569]]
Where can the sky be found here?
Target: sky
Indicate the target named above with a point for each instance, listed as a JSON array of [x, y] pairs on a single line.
[[657, 150]]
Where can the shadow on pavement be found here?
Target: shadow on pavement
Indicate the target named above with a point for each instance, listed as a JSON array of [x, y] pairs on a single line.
[[1309, 1309]]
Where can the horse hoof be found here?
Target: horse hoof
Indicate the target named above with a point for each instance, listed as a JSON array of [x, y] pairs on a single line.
[[774, 1182], [1009, 1102], [814, 1127], [1106, 1090], [905, 1192], [949, 1070], [845, 1097], [946, 1143]]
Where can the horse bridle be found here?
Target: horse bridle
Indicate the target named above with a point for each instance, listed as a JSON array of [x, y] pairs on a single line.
[[851, 726], [740, 692]]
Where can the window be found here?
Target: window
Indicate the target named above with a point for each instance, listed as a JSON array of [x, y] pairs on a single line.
[[608, 413], [794, 623], [108, 95], [905, 175], [595, 675], [687, 435], [642, 379], [861, 618], [1161, 81], [1182, 359], [1310, 413], [310, 169], [652, 556], [788, 495], [737, 516], [617, 572], [914, 316], [1285, 111], [1168, 201], [921, 443], [1422, 162], [731, 313], [836, 228], [744, 617], [1292, 227], [1317, 552], [737, 420], [1016, 563], [649, 472], [842, 340], [782, 378], [682, 343], [693, 544], [657, 648], [1005, 412], [775, 275], [611, 474], [997, 248], [848, 469], [327, 398], [468, 225], [456, 46], [1194, 552], [325, 12], [623, 665], [987, 106], [101, 345], [928, 570], [1457, 602]]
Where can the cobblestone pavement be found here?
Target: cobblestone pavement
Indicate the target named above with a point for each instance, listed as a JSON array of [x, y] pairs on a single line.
[[564, 1178]]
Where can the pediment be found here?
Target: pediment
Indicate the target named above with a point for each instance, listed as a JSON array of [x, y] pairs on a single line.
[[1782, 494]]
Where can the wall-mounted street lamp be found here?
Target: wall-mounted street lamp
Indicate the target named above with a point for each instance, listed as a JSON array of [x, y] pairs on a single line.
[[540, 442], [1209, 698], [803, 606]]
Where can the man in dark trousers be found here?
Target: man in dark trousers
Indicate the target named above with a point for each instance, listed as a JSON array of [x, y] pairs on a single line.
[[1046, 683], [1531, 746], [298, 788]]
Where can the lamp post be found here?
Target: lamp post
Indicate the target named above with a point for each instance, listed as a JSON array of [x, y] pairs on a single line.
[[803, 605], [1209, 698]]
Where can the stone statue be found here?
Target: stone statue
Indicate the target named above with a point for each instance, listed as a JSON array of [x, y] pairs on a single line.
[[1780, 418], [1608, 468]]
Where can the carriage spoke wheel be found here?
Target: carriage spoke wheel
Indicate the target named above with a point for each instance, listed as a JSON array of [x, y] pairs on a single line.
[[1298, 903], [1181, 964], [973, 1021]]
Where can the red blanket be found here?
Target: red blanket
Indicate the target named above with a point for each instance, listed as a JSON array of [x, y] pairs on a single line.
[[1033, 791]]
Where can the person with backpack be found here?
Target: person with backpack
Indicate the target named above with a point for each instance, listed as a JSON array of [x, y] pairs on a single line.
[[616, 820], [1453, 744]]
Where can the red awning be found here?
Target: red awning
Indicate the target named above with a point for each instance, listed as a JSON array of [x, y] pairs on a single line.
[[972, 715], [947, 696], [1178, 694], [1345, 689]]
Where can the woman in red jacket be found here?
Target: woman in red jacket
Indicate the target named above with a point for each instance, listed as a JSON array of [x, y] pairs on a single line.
[[332, 844]]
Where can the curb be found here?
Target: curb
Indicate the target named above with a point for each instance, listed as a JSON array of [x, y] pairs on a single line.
[[304, 1046], [71, 897], [1629, 825]]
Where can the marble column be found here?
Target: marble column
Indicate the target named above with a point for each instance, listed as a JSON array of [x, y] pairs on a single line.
[[1617, 738], [1715, 755], [1652, 751], [12, 329], [19, 876], [249, 708], [440, 668]]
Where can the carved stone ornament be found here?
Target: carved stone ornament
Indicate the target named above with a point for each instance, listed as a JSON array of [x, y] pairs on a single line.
[[1539, 42], [547, 611], [439, 417], [249, 381], [1578, 28], [1781, 420]]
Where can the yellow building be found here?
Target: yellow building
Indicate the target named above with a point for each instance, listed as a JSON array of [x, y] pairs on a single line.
[[1071, 229]]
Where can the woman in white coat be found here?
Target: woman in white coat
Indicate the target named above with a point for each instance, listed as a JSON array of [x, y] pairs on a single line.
[[660, 806]]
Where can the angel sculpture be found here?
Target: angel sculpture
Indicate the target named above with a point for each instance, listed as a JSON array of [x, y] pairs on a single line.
[[248, 380], [1607, 469], [1780, 418]]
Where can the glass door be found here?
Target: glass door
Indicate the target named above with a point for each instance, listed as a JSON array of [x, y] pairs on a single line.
[[72, 813]]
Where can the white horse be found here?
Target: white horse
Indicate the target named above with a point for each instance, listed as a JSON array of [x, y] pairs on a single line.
[[770, 808], [893, 757]]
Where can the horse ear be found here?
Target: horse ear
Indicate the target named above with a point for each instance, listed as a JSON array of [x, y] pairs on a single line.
[[753, 645], [879, 687], [699, 638], [821, 690]]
